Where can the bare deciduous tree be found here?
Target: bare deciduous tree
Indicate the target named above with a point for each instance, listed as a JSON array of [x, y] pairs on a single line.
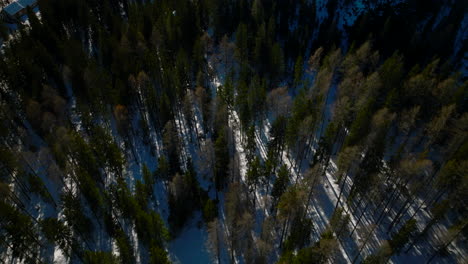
[[215, 239], [279, 102]]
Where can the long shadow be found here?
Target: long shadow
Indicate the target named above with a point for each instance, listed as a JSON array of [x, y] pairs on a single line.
[[323, 201]]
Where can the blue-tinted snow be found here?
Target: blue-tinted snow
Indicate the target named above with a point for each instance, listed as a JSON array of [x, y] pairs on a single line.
[[444, 12], [189, 246], [321, 10], [464, 66], [16, 6], [347, 14], [461, 38]]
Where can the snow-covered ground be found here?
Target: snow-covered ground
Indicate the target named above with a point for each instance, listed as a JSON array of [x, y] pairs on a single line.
[[189, 246]]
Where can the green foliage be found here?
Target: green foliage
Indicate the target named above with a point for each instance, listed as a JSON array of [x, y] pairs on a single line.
[[339, 221], [391, 72], [90, 190], [226, 91], [84, 155], [400, 238], [302, 108], [277, 135], [106, 150], [372, 259], [124, 200], [148, 179], [150, 228], [141, 194], [221, 160], [320, 252], [381, 255], [281, 183], [148, 224], [276, 62], [256, 98], [98, 257], [298, 71], [18, 231], [114, 64], [453, 177], [8, 159], [74, 214], [185, 196], [37, 186], [269, 166], [158, 256], [360, 125], [171, 143], [126, 254], [300, 233], [250, 145], [163, 168], [242, 43], [210, 210], [242, 104], [254, 172], [57, 232], [287, 257], [371, 165], [325, 145]]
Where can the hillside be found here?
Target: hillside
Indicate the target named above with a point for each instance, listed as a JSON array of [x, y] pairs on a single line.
[[234, 131]]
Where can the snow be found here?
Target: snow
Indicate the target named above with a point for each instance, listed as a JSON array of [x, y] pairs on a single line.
[[234, 123], [346, 14], [460, 41], [189, 246], [321, 10], [325, 198], [444, 12], [464, 67], [59, 257], [136, 243]]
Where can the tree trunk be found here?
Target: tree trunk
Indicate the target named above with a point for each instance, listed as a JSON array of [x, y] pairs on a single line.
[[283, 232], [309, 196], [364, 244], [448, 242], [46, 189], [341, 189], [405, 209], [360, 217]]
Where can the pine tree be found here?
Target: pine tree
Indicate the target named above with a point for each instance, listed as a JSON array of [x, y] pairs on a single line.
[[280, 184], [290, 208], [221, 161], [298, 71], [400, 239], [104, 257], [254, 172]]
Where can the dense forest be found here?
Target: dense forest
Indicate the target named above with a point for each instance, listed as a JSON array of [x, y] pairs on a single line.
[[235, 131]]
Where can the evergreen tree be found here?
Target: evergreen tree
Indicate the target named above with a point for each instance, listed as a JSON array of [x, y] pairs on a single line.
[[280, 185]]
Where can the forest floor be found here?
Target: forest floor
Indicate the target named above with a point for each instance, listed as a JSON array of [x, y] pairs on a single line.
[[189, 246], [323, 204]]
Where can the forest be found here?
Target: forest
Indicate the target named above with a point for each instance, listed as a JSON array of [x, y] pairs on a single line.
[[234, 131]]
